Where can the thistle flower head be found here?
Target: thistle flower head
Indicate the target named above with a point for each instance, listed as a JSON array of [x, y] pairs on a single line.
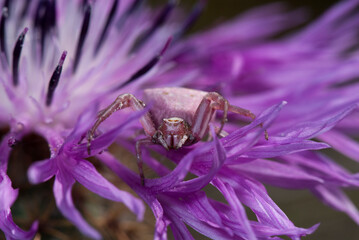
[[57, 71], [63, 61]]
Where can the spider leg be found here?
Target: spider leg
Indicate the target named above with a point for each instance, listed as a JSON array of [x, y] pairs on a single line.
[[140, 143], [121, 102], [211, 102], [221, 133], [202, 117], [247, 113], [225, 107]]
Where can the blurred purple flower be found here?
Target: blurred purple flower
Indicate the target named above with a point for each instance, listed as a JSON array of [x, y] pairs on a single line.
[[68, 165], [129, 42], [313, 69]]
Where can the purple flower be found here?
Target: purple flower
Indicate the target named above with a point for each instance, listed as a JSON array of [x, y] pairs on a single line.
[[40, 93], [61, 73], [68, 165], [176, 201], [312, 70]]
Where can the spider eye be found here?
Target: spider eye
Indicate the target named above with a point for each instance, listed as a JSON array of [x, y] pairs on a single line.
[[173, 120]]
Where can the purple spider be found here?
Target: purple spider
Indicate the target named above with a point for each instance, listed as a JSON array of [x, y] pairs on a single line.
[[178, 117]]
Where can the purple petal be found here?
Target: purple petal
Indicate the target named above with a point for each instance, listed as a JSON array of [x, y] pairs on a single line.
[[196, 211], [131, 178], [83, 123], [218, 158], [86, 174], [7, 197], [161, 223], [42, 171], [62, 191], [275, 150], [160, 169], [341, 143], [255, 197], [349, 124], [238, 209], [107, 138], [179, 230], [265, 230], [312, 129], [12, 231], [266, 118], [318, 165], [336, 199], [5, 149], [277, 174], [262, 230], [179, 173], [53, 137]]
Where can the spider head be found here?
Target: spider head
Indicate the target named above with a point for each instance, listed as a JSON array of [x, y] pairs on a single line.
[[173, 132]]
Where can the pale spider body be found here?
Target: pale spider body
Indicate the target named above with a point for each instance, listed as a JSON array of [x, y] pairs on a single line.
[[172, 112], [177, 117]]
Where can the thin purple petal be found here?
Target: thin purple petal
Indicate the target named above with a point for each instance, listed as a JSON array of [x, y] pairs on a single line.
[[86, 174], [337, 199], [341, 143], [218, 158], [62, 191], [7, 197], [278, 174], [312, 129], [107, 138], [238, 209], [41, 171], [275, 150]]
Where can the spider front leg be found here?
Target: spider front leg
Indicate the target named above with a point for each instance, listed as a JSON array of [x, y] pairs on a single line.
[[139, 143], [121, 102], [211, 102]]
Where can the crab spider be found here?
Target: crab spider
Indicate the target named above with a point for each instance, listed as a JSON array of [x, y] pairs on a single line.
[[178, 117]]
